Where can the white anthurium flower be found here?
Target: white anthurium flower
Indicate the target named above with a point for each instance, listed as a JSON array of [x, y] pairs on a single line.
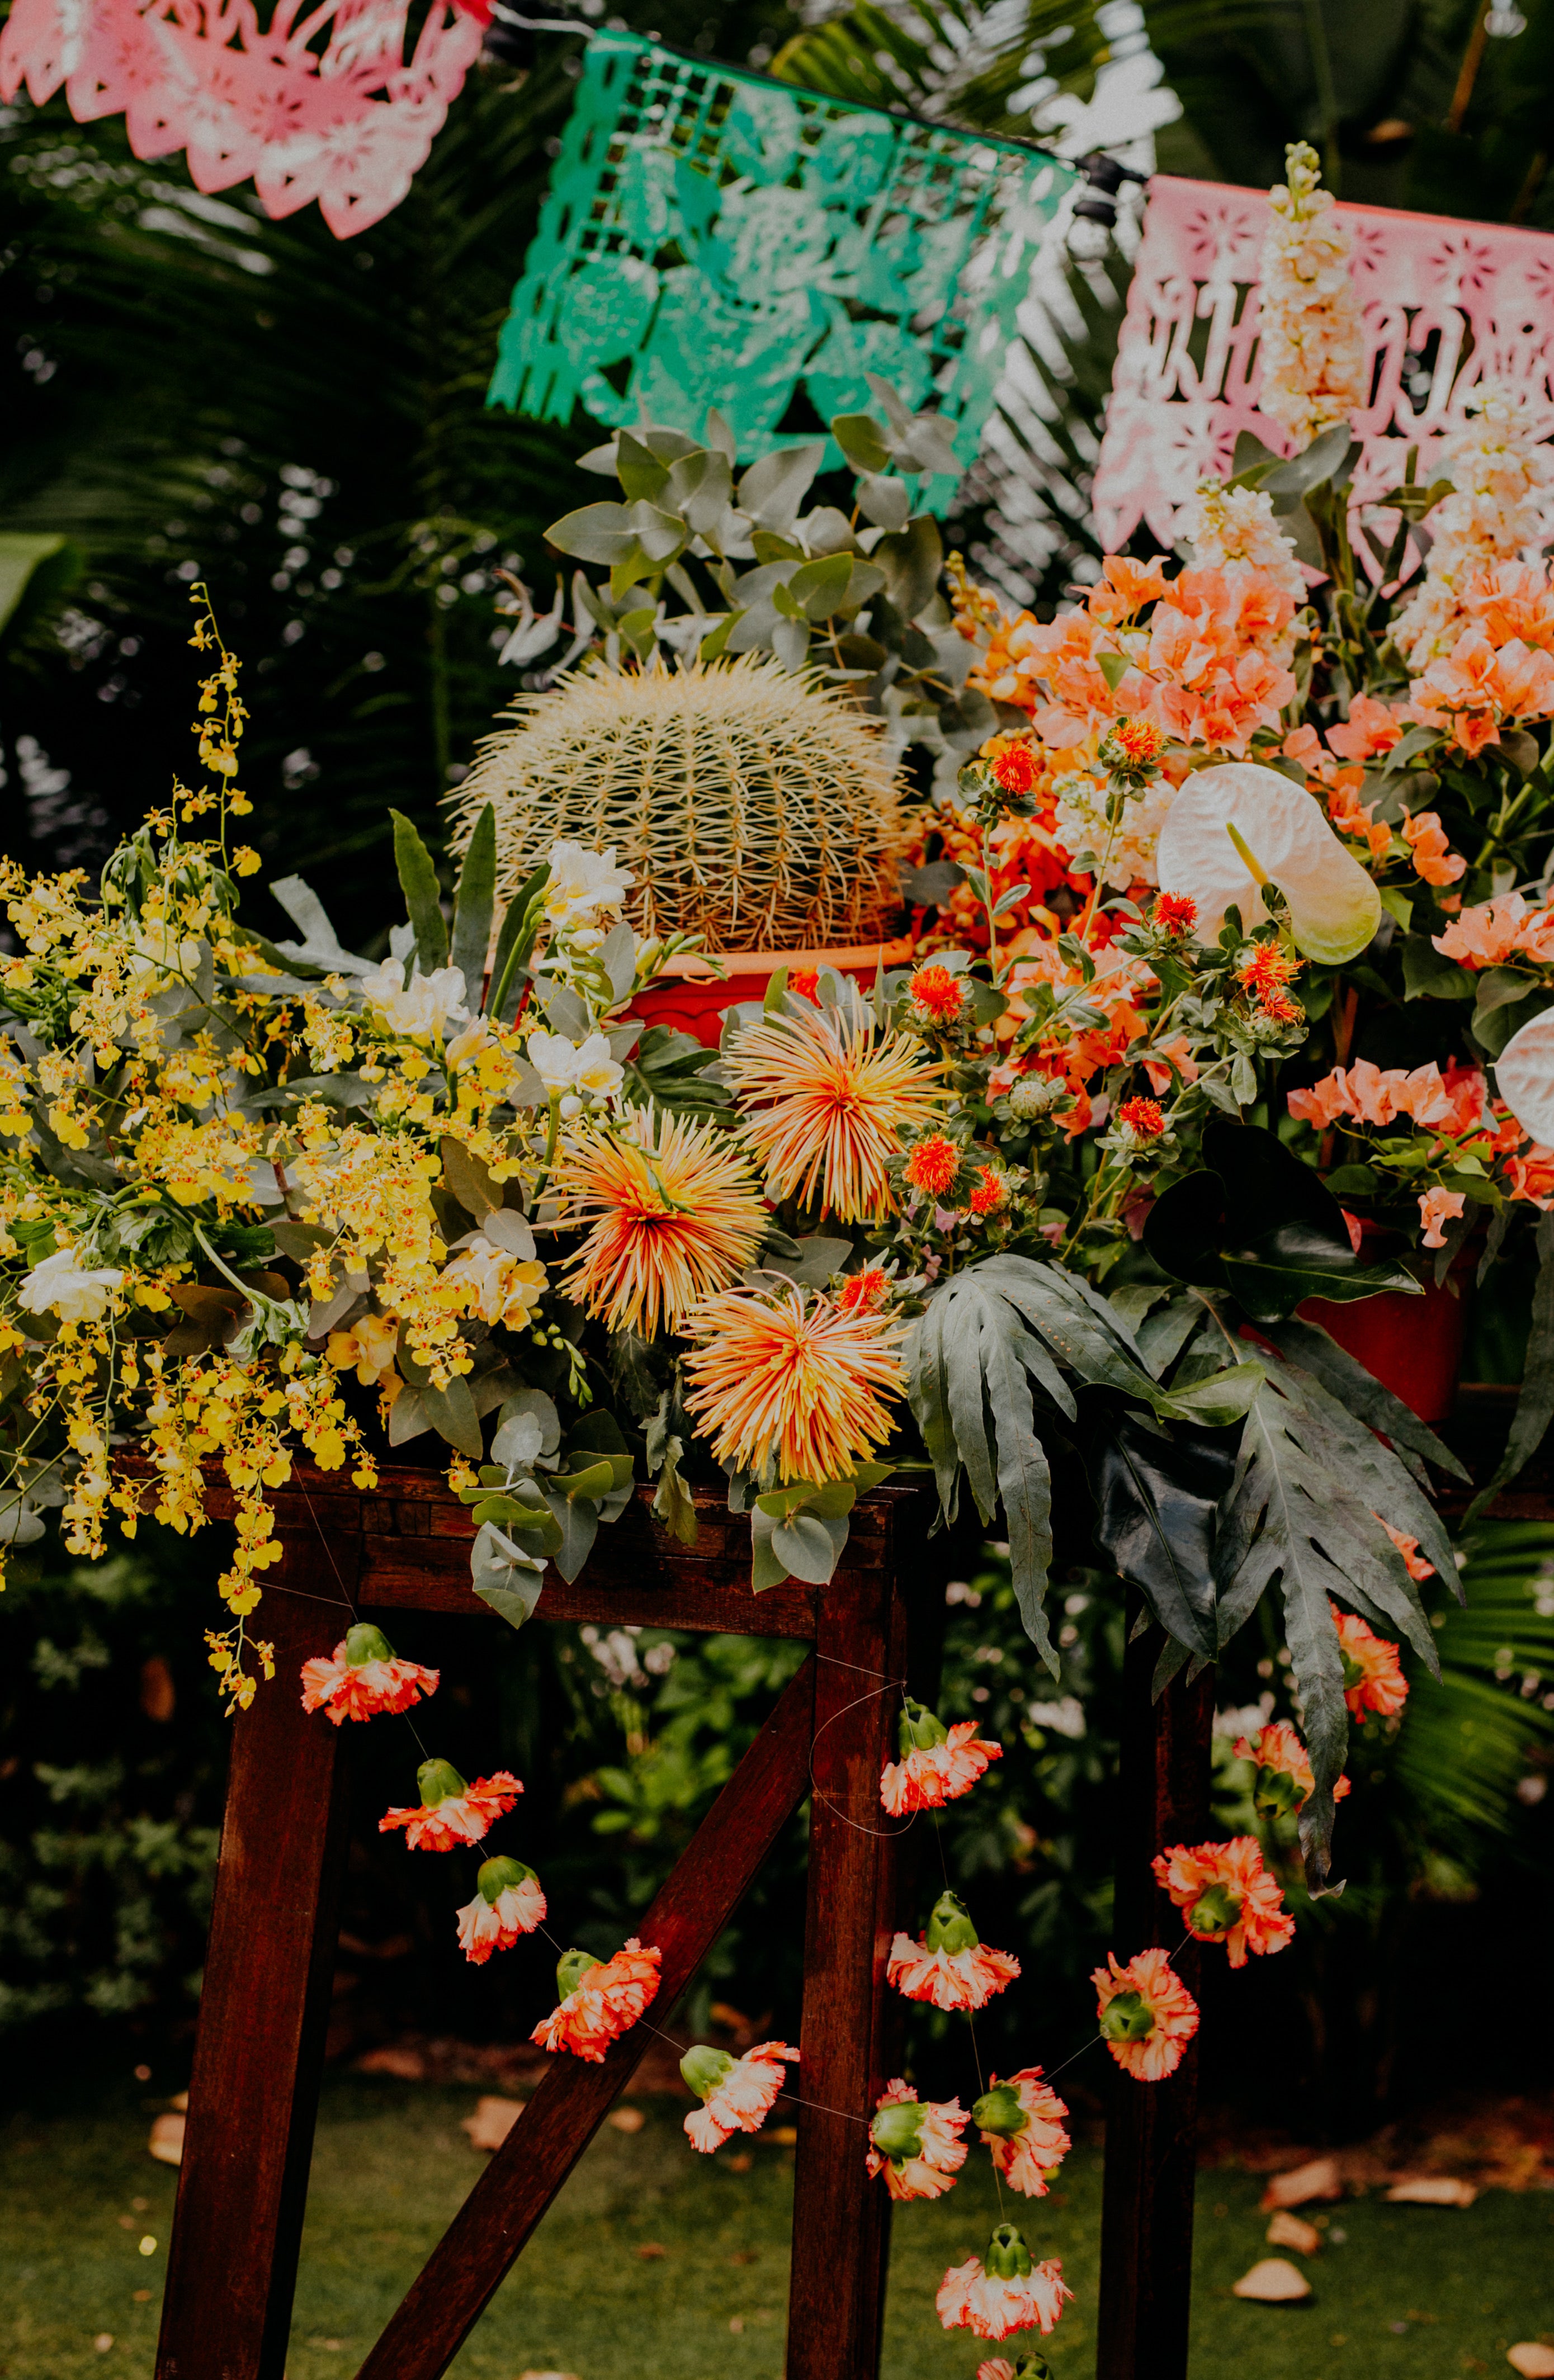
[[1237, 827], [1525, 1077], [60, 1286], [563, 1065], [585, 885], [421, 1007]]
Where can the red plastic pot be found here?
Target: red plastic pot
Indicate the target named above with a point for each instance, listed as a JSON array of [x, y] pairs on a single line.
[[1413, 1346], [691, 1000]]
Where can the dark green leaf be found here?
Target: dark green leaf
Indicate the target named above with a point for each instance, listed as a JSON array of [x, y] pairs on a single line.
[[1157, 1498], [474, 903], [417, 882]]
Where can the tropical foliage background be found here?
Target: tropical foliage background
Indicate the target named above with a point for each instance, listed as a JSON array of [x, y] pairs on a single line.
[[192, 392]]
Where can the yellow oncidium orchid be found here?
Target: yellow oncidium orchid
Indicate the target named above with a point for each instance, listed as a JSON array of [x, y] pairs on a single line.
[[1234, 828]]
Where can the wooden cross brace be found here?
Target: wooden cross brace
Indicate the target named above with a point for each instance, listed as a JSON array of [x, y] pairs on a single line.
[[253, 2094]]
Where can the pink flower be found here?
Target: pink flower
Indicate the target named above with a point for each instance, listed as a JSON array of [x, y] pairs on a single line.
[[451, 1812], [1147, 2015], [949, 1965], [1002, 2292], [1372, 728], [917, 2144], [1487, 934], [1021, 2123], [937, 1765], [599, 1999], [1433, 860], [1226, 1895], [739, 2092], [362, 1677], [1436, 1207], [508, 1904]]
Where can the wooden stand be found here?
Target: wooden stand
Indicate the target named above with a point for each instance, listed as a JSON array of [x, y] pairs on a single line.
[[242, 2187]]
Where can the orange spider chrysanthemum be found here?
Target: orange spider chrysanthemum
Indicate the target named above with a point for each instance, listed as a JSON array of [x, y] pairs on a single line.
[[1147, 2015], [599, 1999], [677, 1213], [1373, 1677], [792, 1378], [1226, 1895], [826, 1105]]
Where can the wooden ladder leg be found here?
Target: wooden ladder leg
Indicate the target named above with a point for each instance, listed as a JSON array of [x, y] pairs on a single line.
[[1151, 2128], [264, 2006], [841, 2236]]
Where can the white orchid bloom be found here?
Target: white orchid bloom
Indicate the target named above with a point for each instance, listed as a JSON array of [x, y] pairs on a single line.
[[471, 1038], [585, 885], [1237, 827], [562, 1065], [419, 1008], [499, 1286], [60, 1286]]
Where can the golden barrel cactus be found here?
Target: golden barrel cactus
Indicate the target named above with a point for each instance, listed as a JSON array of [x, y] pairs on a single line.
[[753, 806]]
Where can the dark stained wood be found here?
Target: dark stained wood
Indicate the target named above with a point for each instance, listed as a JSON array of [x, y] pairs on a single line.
[[1151, 2128], [253, 2093], [841, 2236], [433, 1574], [469, 2261]]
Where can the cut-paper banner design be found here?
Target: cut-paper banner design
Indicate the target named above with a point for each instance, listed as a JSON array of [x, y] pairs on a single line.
[[322, 103], [717, 239], [1445, 304]]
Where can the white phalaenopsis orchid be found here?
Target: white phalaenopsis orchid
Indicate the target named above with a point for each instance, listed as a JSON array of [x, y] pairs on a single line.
[[60, 1286], [422, 1006], [1237, 827], [587, 1069], [585, 886]]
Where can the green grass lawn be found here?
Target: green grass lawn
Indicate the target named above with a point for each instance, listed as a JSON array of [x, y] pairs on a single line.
[[1428, 2292]]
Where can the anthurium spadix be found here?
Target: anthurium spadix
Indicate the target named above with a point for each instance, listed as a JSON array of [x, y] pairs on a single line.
[[1237, 827], [1525, 1076]]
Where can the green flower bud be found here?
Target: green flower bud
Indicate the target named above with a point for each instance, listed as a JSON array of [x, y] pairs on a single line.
[[571, 1967], [500, 1876], [1033, 2366], [897, 2131], [918, 1728], [999, 2110], [1008, 2258], [1128, 2018], [704, 2068], [364, 1643], [1275, 1793], [1215, 1911], [949, 1927], [438, 1780]]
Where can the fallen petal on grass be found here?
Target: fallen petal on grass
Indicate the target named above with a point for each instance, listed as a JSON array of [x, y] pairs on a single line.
[[1273, 2281], [1320, 2179], [1288, 2230], [492, 2120], [1431, 2190]]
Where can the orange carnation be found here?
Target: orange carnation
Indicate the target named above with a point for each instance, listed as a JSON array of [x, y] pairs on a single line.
[[1147, 2015], [601, 2000], [1226, 1895], [1373, 1677]]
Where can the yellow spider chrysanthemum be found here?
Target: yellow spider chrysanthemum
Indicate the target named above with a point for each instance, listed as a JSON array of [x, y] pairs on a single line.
[[826, 1106], [794, 1378], [677, 1213]]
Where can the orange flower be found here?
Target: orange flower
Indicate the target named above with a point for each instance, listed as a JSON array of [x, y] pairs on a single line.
[[677, 1213], [792, 1378], [1226, 1895], [937, 1765], [805, 980], [826, 1106], [1265, 975], [991, 1193], [949, 1965], [938, 993], [1005, 2291], [1143, 1116], [599, 1999], [1021, 2121], [738, 2093], [508, 1904], [1433, 858], [864, 1293], [1170, 1061], [362, 1677], [1017, 770], [1418, 1568], [1373, 1677], [917, 2144], [1147, 2015], [1372, 728], [1284, 1783], [450, 1812], [1436, 1207], [1174, 913], [933, 1164]]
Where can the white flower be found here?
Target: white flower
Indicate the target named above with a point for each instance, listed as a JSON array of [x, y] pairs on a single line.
[[1310, 335], [1079, 823], [422, 1007], [1499, 468], [562, 1066], [585, 885], [60, 1286], [468, 1040], [498, 1287], [1236, 530]]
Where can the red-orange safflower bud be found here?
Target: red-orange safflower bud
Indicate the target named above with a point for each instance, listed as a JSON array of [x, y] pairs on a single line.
[[1017, 770], [991, 1191], [938, 993], [933, 1164], [1174, 913], [1144, 1116]]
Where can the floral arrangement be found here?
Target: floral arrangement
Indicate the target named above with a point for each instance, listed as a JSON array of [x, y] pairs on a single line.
[[1233, 988]]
